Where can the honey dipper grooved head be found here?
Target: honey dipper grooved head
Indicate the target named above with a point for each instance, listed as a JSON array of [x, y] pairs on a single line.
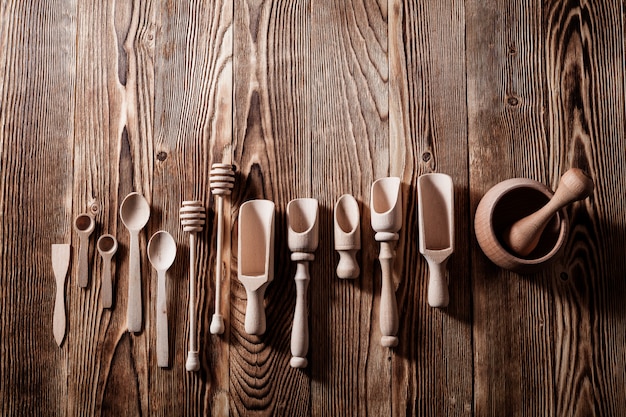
[[192, 216], [222, 179]]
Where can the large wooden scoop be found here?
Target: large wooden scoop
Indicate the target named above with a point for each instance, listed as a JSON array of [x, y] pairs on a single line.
[[524, 235], [256, 259], [435, 194]]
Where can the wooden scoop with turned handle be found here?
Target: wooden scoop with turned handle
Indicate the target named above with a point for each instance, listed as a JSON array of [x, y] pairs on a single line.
[[523, 236]]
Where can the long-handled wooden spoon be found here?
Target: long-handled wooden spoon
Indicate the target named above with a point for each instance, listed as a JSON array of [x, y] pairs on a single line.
[[386, 218], [523, 236], [60, 264], [302, 238], [134, 213], [256, 259], [162, 253], [435, 195]]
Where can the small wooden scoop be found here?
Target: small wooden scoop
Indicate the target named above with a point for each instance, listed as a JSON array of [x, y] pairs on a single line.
[[524, 235], [302, 238], [60, 264], [256, 259], [386, 217], [435, 196], [347, 236], [107, 246], [84, 224]]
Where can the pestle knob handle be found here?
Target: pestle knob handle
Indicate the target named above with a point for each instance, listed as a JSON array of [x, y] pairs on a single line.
[[523, 236]]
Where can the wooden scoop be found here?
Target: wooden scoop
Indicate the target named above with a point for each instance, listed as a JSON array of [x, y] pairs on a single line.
[[524, 235], [256, 259], [435, 196], [107, 246], [84, 225], [302, 238], [60, 264], [386, 217], [347, 236], [162, 253]]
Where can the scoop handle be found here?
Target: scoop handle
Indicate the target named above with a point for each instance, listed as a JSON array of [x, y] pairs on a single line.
[[388, 304], [255, 311], [161, 322], [438, 295], [300, 329], [107, 286], [83, 260], [133, 312]]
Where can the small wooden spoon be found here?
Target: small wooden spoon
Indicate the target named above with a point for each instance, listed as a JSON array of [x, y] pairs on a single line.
[[524, 235], [84, 224], [134, 213], [107, 246], [435, 195], [60, 264], [256, 259], [386, 219], [161, 253]]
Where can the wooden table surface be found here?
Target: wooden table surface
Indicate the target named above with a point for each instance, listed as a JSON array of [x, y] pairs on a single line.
[[311, 99]]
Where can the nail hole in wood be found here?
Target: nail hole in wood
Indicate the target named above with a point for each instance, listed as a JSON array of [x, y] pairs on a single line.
[[162, 156], [426, 156], [564, 276]]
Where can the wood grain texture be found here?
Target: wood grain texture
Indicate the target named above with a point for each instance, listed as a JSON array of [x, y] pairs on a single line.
[[428, 110], [272, 152], [37, 83], [350, 371], [538, 99], [311, 98]]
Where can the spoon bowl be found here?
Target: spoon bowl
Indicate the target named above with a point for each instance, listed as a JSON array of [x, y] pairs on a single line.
[[84, 224], [162, 250], [134, 212]]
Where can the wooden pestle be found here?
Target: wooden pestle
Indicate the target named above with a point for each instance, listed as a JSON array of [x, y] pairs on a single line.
[[523, 236]]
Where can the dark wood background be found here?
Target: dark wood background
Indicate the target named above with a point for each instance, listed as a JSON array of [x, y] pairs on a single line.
[[312, 98]]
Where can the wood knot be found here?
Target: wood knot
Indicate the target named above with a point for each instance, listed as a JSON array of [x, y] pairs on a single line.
[[162, 156]]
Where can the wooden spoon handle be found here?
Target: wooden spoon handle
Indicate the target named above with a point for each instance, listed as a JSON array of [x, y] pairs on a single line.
[[83, 261], [300, 329], [438, 284], [107, 286], [161, 322], [388, 304], [58, 320], [255, 311], [133, 312]]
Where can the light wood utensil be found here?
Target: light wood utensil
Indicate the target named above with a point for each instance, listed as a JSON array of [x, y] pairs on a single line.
[[435, 196], [347, 218], [60, 264], [192, 218], [523, 236], [134, 213], [302, 239], [107, 246], [386, 218], [222, 181], [256, 259], [84, 224], [162, 253]]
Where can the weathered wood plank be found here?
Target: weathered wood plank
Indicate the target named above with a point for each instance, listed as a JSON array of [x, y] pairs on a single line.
[[112, 156], [428, 124], [272, 151], [37, 80], [193, 129], [350, 370], [540, 101]]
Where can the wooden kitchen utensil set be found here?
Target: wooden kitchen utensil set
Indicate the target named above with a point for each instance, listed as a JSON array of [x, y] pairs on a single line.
[[256, 248]]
